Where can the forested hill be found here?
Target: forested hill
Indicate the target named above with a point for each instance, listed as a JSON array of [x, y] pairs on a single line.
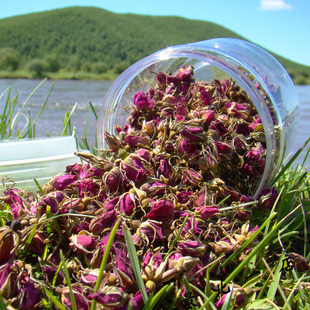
[[93, 39]]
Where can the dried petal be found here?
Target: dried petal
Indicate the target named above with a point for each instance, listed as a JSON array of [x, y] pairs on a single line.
[[161, 210], [64, 181], [205, 212]]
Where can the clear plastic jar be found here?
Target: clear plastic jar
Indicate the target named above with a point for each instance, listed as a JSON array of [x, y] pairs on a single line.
[[256, 71]]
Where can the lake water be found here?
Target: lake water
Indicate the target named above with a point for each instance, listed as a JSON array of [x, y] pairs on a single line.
[[67, 92]]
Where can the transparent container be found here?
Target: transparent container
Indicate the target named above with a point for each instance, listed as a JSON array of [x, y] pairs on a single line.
[[256, 71], [24, 160]]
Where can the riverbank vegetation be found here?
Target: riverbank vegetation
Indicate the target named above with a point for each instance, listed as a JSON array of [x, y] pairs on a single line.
[[92, 43]]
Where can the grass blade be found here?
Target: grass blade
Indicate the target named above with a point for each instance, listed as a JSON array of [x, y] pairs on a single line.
[[135, 263], [104, 260], [68, 120], [55, 301], [67, 276], [160, 295]]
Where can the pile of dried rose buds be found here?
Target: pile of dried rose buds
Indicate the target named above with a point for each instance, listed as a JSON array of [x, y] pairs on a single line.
[[185, 165]]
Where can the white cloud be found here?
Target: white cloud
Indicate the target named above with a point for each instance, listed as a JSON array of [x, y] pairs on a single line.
[[274, 5]]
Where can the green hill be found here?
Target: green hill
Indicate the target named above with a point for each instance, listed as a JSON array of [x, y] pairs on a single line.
[[93, 40]]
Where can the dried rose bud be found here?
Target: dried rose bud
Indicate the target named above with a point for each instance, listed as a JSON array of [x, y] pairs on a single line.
[[219, 127], [110, 296], [29, 297], [74, 169], [14, 200], [238, 110], [89, 277], [164, 169], [191, 177], [8, 280], [184, 264], [255, 123], [82, 303], [224, 150], [184, 196], [153, 189], [134, 167], [8, 243], [186, 146], [181, 109], [142, 101], [268, 198], [127, 203], [192, 248], [50, 273], [113, 179], [205, 212], [111, 141], [207, 115], [52, 202], [37, 243], [204, 95], [145, 154], [64, 181], [83, 243], [105, 220], [161, 210], [194, 134], [255, 153], [135, 140]]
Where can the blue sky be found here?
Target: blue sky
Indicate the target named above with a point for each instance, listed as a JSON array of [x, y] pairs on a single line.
[[282, 26]]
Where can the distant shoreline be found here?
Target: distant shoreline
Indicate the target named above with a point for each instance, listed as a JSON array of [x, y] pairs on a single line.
[[61, 75], [108, 76]]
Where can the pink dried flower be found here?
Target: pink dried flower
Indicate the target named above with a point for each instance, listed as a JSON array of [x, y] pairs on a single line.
[[82, 303], [103, 221], [89, 277], [161, 210], [238, 110], [29, 296], [218, 126], [206, 98], [16, 203], [83, 243], [64, 181], [127, 203], [135, 140], [191, 177], [268, 197], [205, 212], [37, 243], [255, 153], [194, 134], [145, 154], [255, 123], [192, 248], [134, 167], [113, 179], [142, 101], [186, 146], [224, 150], [109, 297], [8, 280], [164, 169], [50, 273], [154, 188]]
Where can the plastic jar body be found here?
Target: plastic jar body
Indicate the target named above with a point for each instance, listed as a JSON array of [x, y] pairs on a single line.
[[253, 68]]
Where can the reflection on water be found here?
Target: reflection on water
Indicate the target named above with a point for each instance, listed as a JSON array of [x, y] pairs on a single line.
[[68, 92]]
